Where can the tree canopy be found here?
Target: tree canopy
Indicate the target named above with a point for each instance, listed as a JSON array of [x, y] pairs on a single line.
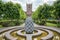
[[11, 11], [48, 11]]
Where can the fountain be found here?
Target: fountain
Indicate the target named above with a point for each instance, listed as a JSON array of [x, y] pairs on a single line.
[[30, 31]]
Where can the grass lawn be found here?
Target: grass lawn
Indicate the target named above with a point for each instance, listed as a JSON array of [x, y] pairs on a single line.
[[0, 26], [51, 24]]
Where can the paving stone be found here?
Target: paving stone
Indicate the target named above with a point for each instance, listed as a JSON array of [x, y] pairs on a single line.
[[29, 36], [8, 35], [49, 36]]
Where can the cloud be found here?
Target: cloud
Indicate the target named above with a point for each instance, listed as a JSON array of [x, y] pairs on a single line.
[[35, 3], [6, 0]]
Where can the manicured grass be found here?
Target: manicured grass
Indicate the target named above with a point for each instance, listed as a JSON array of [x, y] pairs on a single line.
[[0, 26], [51, 24]]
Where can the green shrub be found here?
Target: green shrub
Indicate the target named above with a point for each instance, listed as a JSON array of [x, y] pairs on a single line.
[[1, 26], [40, 22], [52, 21], [11, 23], [4, 24], [58, 25]]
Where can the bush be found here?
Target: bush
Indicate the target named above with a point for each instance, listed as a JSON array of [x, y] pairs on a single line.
[[10, 23], [40, 22], [58, 24], [55, 22], [1, 26], [4, 24]]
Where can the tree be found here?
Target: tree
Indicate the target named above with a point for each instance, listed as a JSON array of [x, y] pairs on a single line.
[[57, 11], [35, 15], [11, 11], [22, 14], [1, 9], [44, 12]]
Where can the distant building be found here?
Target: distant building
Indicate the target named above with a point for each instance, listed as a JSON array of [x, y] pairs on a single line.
[[29, 9]]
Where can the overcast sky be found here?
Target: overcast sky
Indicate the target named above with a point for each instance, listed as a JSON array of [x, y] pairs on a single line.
[[35, 3]]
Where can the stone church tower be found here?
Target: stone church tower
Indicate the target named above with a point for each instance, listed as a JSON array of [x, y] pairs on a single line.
[[29, 9]]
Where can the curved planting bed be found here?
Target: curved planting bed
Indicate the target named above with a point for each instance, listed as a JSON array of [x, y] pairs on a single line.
[[40, 33]]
